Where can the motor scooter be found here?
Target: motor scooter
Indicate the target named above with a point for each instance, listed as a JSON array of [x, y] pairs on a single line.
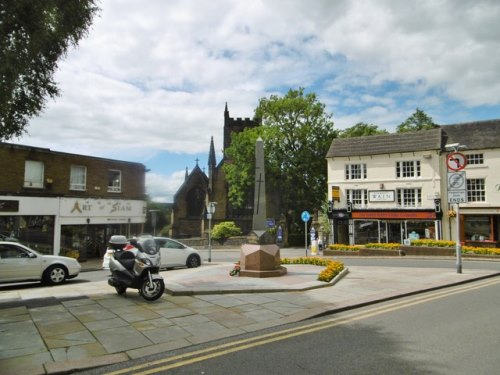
[[137, 268]]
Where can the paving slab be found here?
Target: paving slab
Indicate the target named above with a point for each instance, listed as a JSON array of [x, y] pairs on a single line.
[[84, 324]]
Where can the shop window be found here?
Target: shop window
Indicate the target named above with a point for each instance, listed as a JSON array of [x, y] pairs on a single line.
[[409, 197], [78, 178], [33, 174], [475, 159], [358, 197], [477, 228], [408, 169], [475, 190], [355, 171], [114, 181]]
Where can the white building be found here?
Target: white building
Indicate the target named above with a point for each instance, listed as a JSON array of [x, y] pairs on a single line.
[[391, 187]]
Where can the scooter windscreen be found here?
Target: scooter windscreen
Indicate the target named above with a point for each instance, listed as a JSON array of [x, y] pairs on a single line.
[[148, 246]]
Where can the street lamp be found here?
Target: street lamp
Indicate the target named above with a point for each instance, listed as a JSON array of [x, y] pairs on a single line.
[[458, 247], [210, 212]]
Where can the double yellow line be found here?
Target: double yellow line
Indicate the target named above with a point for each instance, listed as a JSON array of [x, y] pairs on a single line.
[[235, 346]]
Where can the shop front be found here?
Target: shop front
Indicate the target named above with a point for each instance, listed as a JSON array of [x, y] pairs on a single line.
[[68, 225], [480, 227], [393, 226], [87, 224]]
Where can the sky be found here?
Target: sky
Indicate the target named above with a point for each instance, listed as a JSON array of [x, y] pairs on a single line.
[[150, 81]]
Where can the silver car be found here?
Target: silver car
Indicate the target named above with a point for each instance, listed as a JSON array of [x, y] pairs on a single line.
[[20, 263], [175, 254]]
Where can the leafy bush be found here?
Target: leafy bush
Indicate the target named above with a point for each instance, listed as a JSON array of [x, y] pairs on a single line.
[[433, 243], [224, 230], [344, 247], [333, 267], [386, 246]]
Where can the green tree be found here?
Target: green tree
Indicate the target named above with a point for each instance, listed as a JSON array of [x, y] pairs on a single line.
[[361, 129], [34, 35], [297, 133], [417, 121]]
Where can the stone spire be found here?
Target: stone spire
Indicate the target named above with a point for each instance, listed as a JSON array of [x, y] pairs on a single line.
[[212, 163]]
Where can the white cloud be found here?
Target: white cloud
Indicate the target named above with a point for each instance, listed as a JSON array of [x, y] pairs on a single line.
[[154, 76]]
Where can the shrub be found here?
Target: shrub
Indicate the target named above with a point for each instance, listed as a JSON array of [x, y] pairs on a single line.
[[224, 230], [433, 243], [344, 247], [333, 267], [386, 246]]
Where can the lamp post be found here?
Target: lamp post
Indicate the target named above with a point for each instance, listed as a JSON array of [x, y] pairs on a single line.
[[153, 220], [457, 162], [210, 212]]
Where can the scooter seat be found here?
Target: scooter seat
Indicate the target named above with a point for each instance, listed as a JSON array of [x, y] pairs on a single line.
[[127, 259]]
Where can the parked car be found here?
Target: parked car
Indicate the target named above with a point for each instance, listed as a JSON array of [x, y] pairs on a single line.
[[175, 254], [20, 263], [172, 253]]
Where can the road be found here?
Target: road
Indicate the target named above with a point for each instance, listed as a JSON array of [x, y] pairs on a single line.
[[450, 331]]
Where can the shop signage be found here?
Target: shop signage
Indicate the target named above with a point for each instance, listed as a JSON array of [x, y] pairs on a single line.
[[101, 207], [336, 193], [9, 206], [381, 196], [394, 215]]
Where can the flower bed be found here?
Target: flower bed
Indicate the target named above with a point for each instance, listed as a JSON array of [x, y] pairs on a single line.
[[333, 267]]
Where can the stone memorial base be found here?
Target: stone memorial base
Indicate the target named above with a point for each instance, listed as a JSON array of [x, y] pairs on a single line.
[[261, 261]]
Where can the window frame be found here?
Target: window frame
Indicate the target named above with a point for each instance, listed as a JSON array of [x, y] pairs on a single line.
[[475, 159], [349, 170], [36, 182], [475, 194], [114, 187], [74, 185], [402, 197], [402, 170], [358, 197]]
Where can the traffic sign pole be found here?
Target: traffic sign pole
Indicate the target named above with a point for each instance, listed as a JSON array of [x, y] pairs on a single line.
[[458, 244], [305, 216]]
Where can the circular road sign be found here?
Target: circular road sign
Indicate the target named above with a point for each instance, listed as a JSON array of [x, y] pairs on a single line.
[[305, 216], [456, 161]]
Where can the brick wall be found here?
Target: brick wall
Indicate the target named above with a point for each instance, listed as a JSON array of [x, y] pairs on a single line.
[[57, 167]]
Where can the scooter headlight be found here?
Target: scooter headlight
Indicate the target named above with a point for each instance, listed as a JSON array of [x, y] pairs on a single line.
[[146, 261]]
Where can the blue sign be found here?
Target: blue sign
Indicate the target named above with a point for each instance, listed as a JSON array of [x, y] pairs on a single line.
[[305, 216]]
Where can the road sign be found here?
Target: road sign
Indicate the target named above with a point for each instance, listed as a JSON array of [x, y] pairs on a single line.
[[457, 196], [305, 216], [457, 187], [456, 161], [456, 181]]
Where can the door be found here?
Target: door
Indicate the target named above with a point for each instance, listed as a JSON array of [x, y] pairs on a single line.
[[172, 252], [394, 232]]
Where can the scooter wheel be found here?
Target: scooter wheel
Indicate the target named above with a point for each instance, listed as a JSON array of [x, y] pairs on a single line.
[[152, 292], [120, 290]]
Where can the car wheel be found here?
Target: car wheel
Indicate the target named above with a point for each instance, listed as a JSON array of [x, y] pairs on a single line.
[[193, 261], [55, 274]]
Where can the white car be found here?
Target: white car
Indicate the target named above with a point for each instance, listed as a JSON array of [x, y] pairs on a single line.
[[20, 263], [176, 254]]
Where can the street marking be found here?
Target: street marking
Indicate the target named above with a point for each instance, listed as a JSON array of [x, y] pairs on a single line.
[[239, 345]]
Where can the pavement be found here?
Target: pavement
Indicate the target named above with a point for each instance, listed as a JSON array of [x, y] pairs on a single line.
[[83, 324]]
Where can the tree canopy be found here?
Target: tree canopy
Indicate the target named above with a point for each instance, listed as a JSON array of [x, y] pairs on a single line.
[[34, 35], [361, 129], [297, 133], [417, 121]]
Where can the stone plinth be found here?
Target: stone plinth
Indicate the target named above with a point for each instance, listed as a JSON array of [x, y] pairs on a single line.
[[261, 261]]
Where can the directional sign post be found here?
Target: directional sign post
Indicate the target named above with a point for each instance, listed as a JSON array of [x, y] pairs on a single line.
[[305, 216], [457, 193]]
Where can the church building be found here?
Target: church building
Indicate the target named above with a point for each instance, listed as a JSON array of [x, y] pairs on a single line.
[[189, 208]]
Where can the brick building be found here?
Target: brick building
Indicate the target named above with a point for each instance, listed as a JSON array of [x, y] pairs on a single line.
[[56, 202]]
